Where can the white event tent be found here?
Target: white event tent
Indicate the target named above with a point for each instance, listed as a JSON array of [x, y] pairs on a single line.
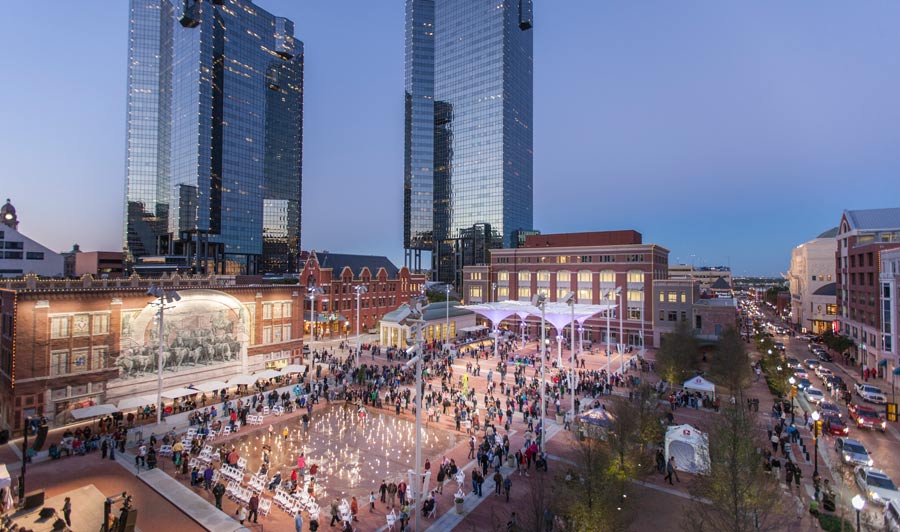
[[699, 384], [690, 447]]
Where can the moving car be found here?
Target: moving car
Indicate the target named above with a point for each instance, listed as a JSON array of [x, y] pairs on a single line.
[[871, 394], [813, 395], [801, 374], [823, 356], [852, 452], [812, 363], [833, 381], [830, 409], [823, 372], [803, 383], [878, 487], [779, 345], [793, 363], [866, 417], [833, 425]]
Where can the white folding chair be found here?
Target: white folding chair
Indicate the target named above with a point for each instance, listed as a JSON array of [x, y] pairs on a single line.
[[227, 430], [241, 464], [264, 506], [391, 521], [265, 411]]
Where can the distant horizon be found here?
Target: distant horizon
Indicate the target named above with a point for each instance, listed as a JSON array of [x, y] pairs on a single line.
[[726, 133]]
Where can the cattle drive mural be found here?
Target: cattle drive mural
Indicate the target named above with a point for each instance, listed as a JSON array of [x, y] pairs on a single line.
[[205, 328]]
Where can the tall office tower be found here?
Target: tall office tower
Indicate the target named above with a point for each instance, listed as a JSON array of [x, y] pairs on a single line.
[[468, 139], [215, 136]]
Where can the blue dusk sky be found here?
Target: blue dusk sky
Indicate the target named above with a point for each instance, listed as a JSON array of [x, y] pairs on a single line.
[[727, 132]]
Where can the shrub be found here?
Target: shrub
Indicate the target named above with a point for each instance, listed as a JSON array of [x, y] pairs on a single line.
[[833, 523]]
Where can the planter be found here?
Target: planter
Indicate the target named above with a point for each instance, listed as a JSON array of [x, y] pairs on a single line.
[[459, 506]]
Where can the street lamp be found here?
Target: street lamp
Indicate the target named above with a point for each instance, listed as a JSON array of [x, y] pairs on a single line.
[[815, 417], [858, 503], [793, 381], [360, 290], [606, 297], [540, 301], [164, 297], [416, 321], [447, 324], [313, 292], [570, 300]]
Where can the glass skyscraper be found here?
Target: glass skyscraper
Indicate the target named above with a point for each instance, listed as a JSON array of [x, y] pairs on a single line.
[[468, 146], [215, 136]]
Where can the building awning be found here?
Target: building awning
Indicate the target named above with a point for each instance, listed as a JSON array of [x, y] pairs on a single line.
[[473, 328], [210, 386], [882, 363], [176, 393], [135, 402], [94, 411]]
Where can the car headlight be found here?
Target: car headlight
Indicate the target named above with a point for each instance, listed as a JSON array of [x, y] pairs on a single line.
[[846, 457], [870, 462], [874, 496], [884, 424]]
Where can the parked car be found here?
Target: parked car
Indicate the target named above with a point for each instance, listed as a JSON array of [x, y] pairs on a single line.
[[813, 395], [852, 452], [833, 425], [866, 417], [878, 487], [823, 356], [871, 394]]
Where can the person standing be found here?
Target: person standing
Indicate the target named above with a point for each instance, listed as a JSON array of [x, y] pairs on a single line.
[[298, 522], [242, 514], [392, 492], [67, 511], [383, 491], [218, 491], [254, 507], [670, 470]]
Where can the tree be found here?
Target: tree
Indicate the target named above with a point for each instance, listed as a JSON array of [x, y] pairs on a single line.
[[634, 432], [731, 365], [737, 495], [678, 354], [592, 499]]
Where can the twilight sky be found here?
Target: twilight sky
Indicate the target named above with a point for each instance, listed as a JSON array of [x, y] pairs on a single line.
[[728, 132]]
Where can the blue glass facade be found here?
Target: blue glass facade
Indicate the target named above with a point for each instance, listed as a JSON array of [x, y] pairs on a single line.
[[231, 75], [477, 62]]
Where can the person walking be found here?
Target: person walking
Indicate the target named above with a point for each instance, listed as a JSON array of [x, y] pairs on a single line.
[[507, 486], [392, 493], [242, 514], [67, 511], [298, 522], [670, 470]]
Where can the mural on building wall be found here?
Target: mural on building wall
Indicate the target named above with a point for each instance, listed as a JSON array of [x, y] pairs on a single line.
[[204, 329]]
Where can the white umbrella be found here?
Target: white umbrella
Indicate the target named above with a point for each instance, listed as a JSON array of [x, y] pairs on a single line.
[[267, 374], [175, 393], [133, 402], [93, 411], [292, 368], [242, 380], [210, 386]]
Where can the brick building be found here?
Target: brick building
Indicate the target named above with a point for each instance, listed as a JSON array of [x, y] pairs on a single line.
[[337, 274], [592, 265], [71, 343], [862, 236]]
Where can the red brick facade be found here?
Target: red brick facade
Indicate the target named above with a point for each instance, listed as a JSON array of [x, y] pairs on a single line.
[[66, 344]]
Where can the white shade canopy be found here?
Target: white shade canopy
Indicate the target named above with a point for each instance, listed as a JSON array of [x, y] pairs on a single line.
[[242, 380], [267, 374], [210, 386], [176, 393], [134, 402], [93, 411], [293, 368]]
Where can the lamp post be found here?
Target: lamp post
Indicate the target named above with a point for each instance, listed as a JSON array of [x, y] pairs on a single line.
[[164, 297], [360, 290], [858, 504], [621, 342], [447, 323], [416, 321], [313, 292], [606, 294], [792, 381], [570, 299], [540, 301], [815, 417]]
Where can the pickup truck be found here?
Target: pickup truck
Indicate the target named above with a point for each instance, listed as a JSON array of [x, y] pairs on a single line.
[[866, 417], [870, 394]]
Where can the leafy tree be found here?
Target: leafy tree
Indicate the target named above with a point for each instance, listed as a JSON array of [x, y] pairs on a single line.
[[678, 354], [592, 499], [836, 342], [737, 495], [731, 364]]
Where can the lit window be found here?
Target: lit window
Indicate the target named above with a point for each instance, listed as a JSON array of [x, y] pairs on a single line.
[[100, 323], [607, 276], [635, 276], [585, 295], [503, 276], [543, 277], [563, 277], [672, 297], [584, 276], [524, 293], [635, 295], [59, 327], [524, 276]]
